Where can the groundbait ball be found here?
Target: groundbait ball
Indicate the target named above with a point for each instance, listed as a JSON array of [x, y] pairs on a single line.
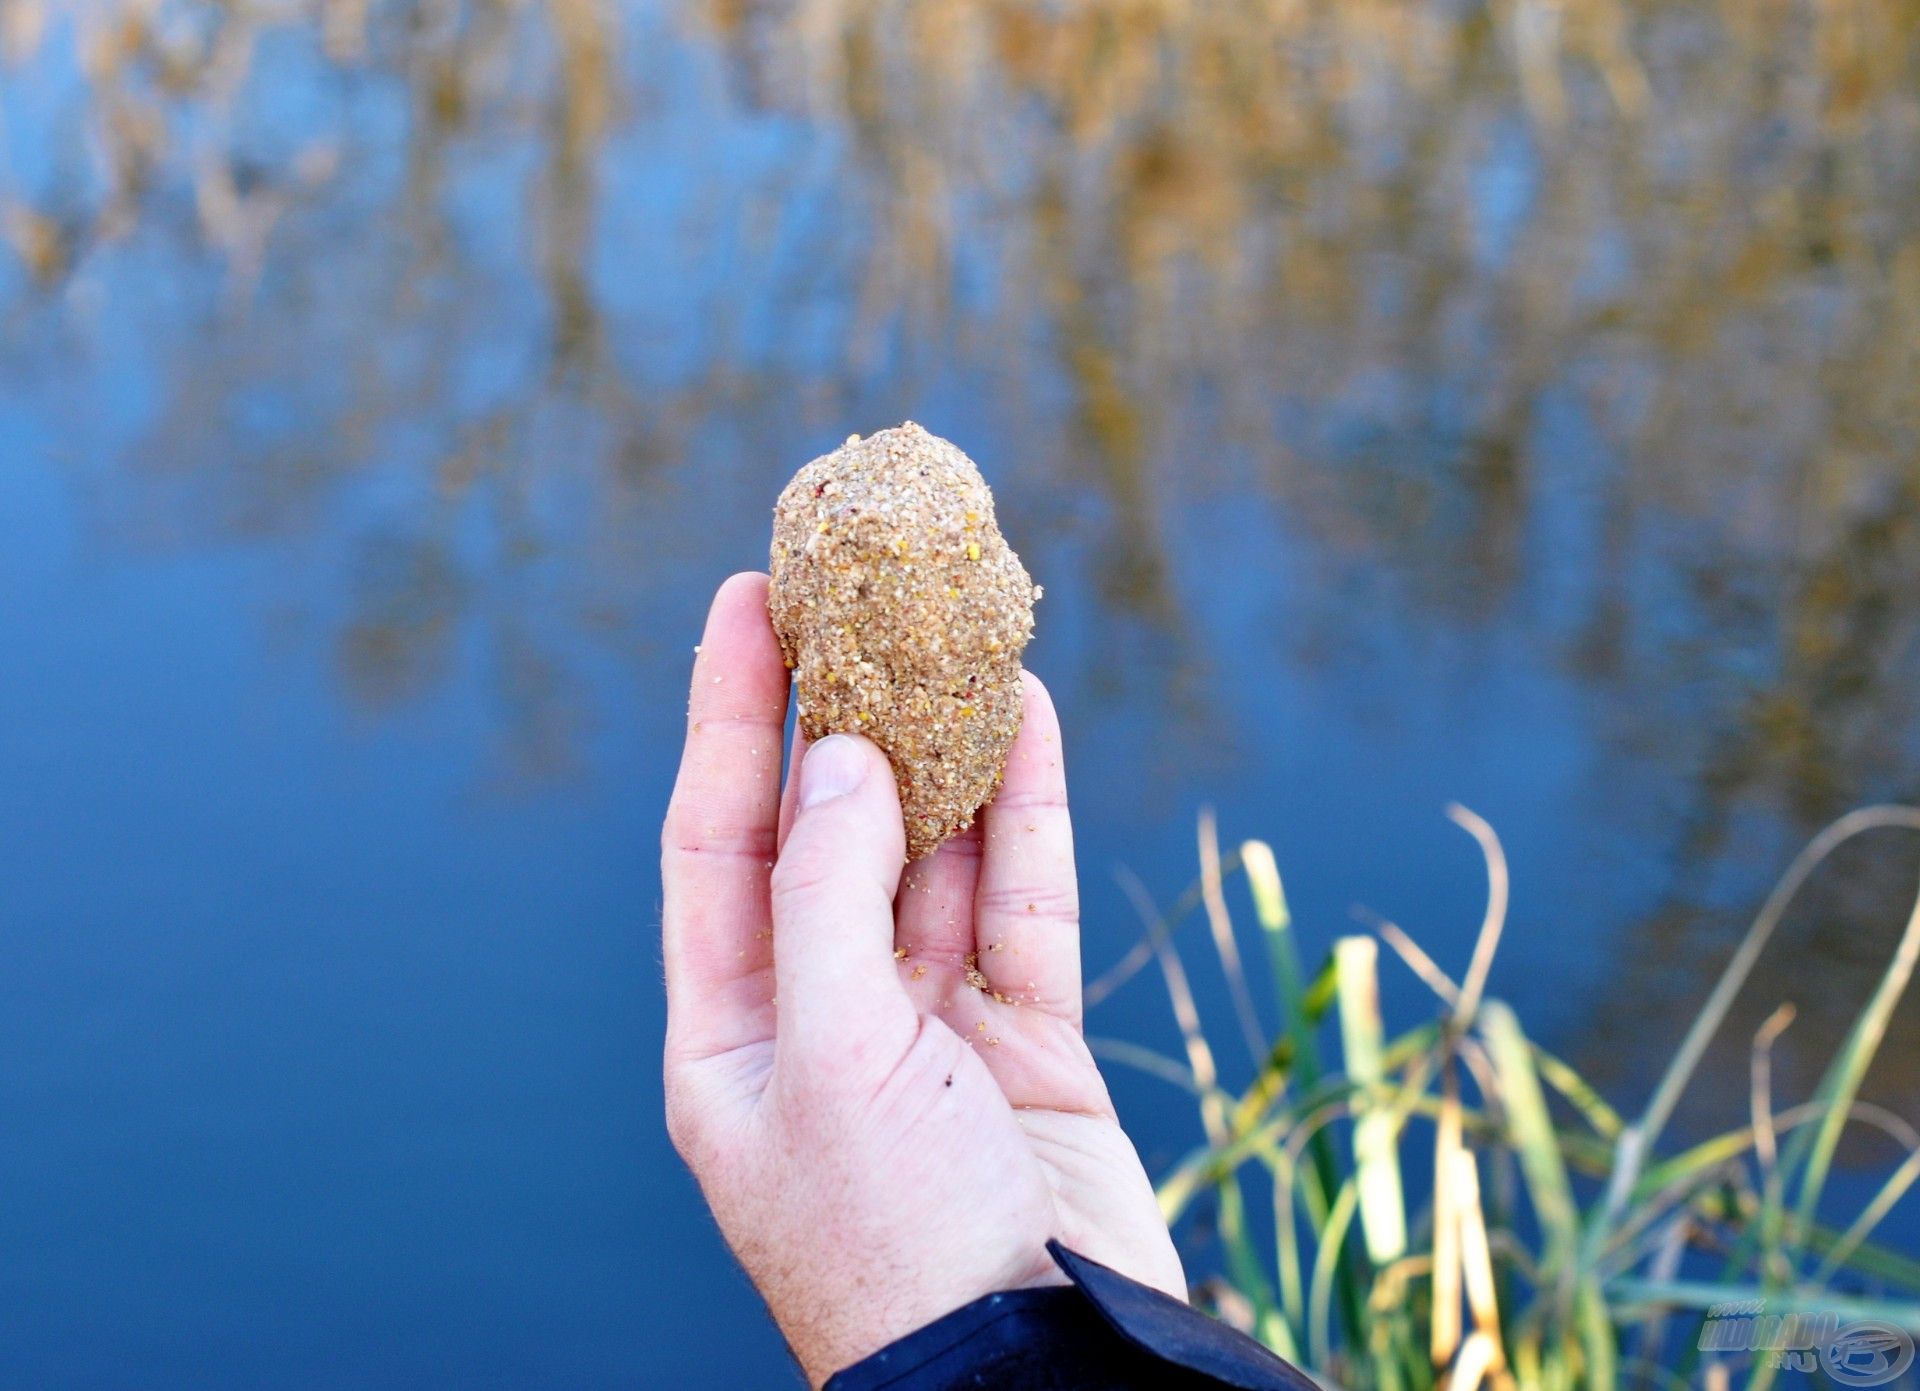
[[903, 613]]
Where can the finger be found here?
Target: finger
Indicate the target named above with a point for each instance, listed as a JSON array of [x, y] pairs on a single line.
[[1027, 907], [717, 847], [934, 909], [839, 991]]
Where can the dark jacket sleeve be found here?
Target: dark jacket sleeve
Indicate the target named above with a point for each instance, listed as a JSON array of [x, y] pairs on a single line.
[[1103, 1332]]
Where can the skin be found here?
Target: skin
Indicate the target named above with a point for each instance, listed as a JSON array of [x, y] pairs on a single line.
[[880, 1141]]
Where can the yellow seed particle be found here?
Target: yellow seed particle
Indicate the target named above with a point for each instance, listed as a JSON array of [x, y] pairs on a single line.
[[864, 717], [966, 710], [973, 548]]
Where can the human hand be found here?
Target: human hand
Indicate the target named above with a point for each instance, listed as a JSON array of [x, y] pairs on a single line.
[[879, 1080]]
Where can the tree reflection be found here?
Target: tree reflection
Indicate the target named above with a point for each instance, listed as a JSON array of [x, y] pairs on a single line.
[[1589, 320]]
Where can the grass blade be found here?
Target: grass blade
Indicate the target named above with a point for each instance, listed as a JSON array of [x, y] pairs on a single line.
[[1443, 1333], [1476, 1252], [1225, 944], [1645, 1132], [1842, 1082], [1333, 1236], [1376, 1131], [1242, 1263], [1496, 915], [1533, 1138]]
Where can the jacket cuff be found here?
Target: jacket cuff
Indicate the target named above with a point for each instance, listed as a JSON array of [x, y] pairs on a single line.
[[1103, 1332]]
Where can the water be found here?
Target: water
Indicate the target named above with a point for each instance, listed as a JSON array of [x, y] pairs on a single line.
[[1399, 404]]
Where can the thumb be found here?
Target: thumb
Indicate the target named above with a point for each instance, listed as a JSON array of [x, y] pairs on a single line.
[[836, 985]]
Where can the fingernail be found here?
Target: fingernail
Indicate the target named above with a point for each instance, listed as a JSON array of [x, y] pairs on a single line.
[[834, 767]]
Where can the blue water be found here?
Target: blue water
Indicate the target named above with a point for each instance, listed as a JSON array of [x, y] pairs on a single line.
[[348, 591]]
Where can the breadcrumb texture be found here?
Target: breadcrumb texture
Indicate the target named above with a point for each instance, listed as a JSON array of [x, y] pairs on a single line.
[[903, 613]]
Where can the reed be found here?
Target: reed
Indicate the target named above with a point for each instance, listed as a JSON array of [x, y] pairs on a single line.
[[1554, 1243]]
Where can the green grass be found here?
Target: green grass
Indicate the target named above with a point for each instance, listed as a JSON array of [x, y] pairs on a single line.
[[1549, 1251]]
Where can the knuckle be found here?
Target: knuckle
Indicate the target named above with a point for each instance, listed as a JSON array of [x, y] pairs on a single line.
[[799, 876], [1035, 801], [684, 835], [1016, 901], [676, 827]]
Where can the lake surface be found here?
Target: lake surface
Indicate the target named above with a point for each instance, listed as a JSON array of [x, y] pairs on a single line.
[[1400, 403]]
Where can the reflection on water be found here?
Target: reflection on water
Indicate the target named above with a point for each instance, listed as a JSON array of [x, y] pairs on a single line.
[[1327, 357]]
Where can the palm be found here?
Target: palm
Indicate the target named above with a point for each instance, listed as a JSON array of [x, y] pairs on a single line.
[[986, 939], [1045, 1116]]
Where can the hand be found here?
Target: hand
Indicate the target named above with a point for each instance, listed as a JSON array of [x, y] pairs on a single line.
[[880, 1081]]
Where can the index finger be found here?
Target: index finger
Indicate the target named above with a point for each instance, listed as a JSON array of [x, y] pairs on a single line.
[[717, 846]]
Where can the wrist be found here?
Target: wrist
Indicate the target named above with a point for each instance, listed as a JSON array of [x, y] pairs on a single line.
[[831, 1325], [1104, 1329]]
